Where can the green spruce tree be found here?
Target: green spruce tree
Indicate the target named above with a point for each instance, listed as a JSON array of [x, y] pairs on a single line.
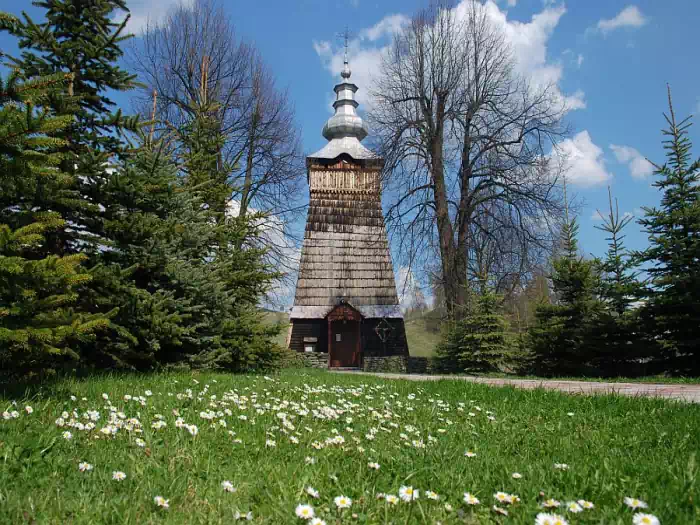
[[672, 303], [560, 339], [616, 334], [220, 263], [82, 38], [38, 326], [480, 340], [140, 198]]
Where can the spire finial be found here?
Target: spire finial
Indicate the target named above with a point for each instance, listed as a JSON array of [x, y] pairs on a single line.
[[346, 67]]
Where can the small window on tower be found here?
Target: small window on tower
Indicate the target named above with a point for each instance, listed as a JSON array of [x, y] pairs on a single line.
[[338, 338]]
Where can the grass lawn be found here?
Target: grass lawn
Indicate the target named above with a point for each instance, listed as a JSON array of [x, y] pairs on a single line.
[[272, 438]]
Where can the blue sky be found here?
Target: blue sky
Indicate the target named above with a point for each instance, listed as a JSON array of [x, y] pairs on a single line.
[[611, 58]]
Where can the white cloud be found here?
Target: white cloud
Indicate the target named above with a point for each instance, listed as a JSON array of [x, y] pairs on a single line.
[[639, 167], [579, 60], [387, 26], [144, 12], [630, 16], [528, 41], [583, 160]]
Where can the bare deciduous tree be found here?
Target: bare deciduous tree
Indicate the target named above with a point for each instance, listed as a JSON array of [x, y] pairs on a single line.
[[465, 139], [196, 45]]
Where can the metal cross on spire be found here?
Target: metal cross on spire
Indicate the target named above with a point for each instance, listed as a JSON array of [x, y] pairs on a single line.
[[345, 35]]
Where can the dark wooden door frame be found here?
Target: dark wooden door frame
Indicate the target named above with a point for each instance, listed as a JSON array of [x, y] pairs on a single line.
[[345, 312]]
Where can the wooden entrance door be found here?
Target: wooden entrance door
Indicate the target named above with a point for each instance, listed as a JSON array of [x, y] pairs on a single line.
[[345, 343]]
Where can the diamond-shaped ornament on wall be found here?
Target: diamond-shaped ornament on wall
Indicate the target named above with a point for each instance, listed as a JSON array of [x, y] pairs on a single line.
[[383, 330]]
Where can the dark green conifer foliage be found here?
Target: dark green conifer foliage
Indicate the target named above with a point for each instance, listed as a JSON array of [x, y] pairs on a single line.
[[223, 269], [673, 300], [81, 38], [479, 341], [616, 334], [560, 338], [38, 326], [139, 198]]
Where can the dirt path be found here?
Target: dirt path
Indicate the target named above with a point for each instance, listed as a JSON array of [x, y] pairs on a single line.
[[688, 393]]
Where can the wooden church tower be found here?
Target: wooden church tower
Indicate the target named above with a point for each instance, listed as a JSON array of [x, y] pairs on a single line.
[[346, 304]]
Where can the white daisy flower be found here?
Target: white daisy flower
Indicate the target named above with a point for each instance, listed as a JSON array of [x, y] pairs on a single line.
[[574, 507], [343, 502], [550, 519], [470, 499], [317, 521], [160, 501], [635, 503], [312, 492], [67, 435], [84, 467], [448, 507], [391, 499], [504, 497], [228, 486], [585, 505], [408, 493], [305, 512], [551, 503], [270, 443], [645, 519], [28, 409], [373, 465], [470, 454], [432, 495], [516, 475], [561, 466], [118, 475], [499, 510]]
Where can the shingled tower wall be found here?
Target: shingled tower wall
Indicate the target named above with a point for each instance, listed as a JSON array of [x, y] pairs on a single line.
[[346, 274]]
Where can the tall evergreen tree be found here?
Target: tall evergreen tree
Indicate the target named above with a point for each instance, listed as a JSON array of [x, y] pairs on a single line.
[[221, 263], [38, 325], [617, 334], [80, 38], [673, 301], [619, 279], [560, 339], [140, 197], [479, 341]]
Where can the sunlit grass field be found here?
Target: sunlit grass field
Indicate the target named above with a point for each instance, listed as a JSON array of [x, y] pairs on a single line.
[[218, 448]]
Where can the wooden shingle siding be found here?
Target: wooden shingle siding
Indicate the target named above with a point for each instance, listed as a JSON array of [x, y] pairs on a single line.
[[345, 258], [345, 251]]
